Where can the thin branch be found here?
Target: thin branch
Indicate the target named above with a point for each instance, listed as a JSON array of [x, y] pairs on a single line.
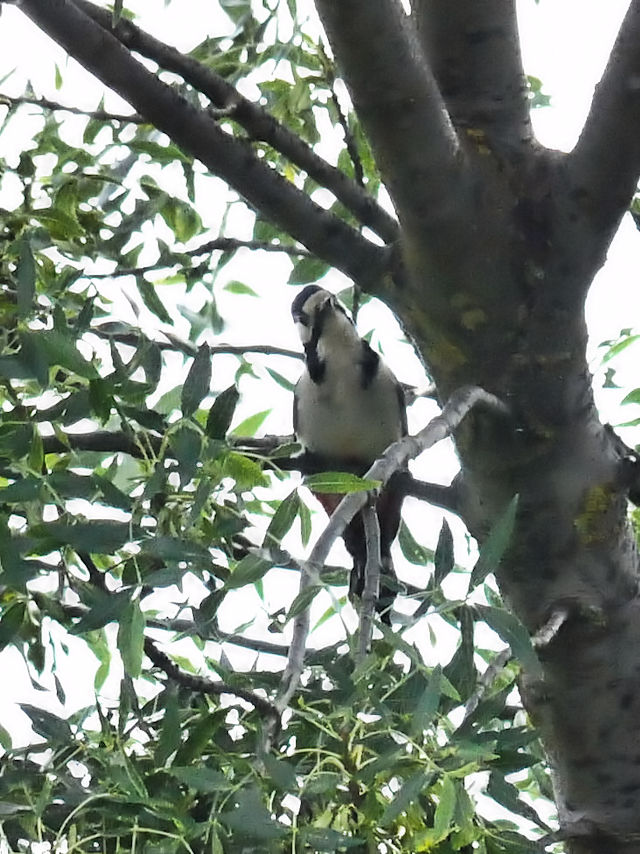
[[98, 115], [605, 163], [474, 51], [258, 123], [398, 101], [224, 244], [461, 402], [177, 344], [232, 159], [203, 685], [499, 662], [371, 589], [106, 441]]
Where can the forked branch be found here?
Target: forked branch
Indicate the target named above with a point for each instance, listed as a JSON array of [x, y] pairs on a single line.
[[395, 457]]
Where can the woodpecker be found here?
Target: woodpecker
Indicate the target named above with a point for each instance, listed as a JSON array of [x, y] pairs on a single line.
[[348, 408]]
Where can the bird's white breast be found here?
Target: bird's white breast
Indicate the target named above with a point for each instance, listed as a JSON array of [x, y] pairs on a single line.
[[340, 419]]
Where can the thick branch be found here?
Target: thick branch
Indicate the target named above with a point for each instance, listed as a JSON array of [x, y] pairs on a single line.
[[258, 123], [474, 51], [398, 101], [197, 133], [605, 163]]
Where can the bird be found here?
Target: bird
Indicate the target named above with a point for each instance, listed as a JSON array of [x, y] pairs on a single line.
[[348, 408]]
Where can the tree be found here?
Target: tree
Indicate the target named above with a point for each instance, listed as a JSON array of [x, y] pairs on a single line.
[[486, 262]]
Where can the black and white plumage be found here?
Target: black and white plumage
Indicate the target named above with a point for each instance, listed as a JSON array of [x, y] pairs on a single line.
[[348, 408]]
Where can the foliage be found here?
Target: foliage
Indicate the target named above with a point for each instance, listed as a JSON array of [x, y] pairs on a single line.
[[125, 499]]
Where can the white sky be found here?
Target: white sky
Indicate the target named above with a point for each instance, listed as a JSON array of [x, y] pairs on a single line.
[[565, 44]]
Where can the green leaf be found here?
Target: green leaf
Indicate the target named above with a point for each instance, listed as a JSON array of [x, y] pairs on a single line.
[[11, 621], [221, 413], [186, 443], [181, 218], [282, 381], [200, 779], [240, 289], [131, 638], [407, 794], [512, 632], [252, 424], [100, 536], [249, 570], [282, 519], [411, 549], [339, 482], [445, 809], [495, 545], [308, 270], [55, 729], [427, 705], [59, 349], [251, 818], [25, 277], [196, 385], [152, 301], [302, 601], [443, 560]]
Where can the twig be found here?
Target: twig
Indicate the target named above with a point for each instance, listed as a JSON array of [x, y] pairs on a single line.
[[394, 458], [99, 115], [486, 680], [549, 631], [371, 589], [203, 685], [220, 244]]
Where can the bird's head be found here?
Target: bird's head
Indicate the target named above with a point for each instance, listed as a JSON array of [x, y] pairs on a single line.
[[316, 312]]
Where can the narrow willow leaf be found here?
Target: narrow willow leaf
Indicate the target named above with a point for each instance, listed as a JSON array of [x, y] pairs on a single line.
[[26, 278], [196, 385], [445, 809], [131, 638], [495, 545], [339, 482], [49, 726], [249, 570], [427, 705], [152, 301], [282, 519], [252, 424], [411, 548], [443, 559], [513, 632], [407, 794], [303, 600], [221, 413]]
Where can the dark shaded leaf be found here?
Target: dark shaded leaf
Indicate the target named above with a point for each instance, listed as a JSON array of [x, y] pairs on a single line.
[[495, 545], [49, 726], [221, 413], [443, 559], [131, 638], [196, 385]]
